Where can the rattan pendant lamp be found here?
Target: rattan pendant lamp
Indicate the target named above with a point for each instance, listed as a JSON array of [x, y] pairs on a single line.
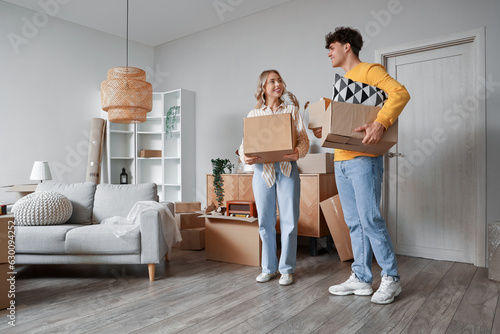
[[126, 95]]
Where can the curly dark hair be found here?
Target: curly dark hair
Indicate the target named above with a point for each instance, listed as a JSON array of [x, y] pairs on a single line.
[[345, 35]]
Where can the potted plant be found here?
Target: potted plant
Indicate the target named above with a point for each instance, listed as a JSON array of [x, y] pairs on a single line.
[[219, 167], [170, 117]]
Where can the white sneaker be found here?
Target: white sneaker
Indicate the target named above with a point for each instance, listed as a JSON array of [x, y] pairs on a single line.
[[388, 289], [262, 278], [352, 286], [286, 279]]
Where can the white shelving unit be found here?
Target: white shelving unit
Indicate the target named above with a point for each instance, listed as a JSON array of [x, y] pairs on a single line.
[[174, 171]]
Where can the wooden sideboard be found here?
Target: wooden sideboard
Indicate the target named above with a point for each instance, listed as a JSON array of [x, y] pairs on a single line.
[[314, 188]]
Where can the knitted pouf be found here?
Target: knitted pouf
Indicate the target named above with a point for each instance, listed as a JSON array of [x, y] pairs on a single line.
[[42, 208]]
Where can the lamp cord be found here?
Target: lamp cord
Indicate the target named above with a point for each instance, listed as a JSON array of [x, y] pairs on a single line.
[[127, 35]]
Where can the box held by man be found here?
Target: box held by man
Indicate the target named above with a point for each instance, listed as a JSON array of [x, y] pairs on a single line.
[[340, 121]]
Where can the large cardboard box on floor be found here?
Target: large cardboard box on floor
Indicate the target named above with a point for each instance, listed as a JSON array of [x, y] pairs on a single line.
[[317, 113], [269, 137], [4, 236], [316, 163], [182, 207], [340, 121], [5, 286], [193, 239], [332, 210], [233, 240], [189, 220]]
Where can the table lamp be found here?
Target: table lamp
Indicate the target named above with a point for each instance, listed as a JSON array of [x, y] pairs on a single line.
[[41, 171]]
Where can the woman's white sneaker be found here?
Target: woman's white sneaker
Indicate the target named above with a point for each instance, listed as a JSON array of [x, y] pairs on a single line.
[[262, 278], [388, 289], [352, 286]]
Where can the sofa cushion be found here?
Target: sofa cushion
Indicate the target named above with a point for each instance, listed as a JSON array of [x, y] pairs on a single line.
[[118, 199], [42, 208], [99, 239], [42, 239], [81, 196]]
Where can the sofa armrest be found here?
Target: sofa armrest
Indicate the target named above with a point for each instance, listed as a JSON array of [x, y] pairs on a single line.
[[170, 206], [153, 245]]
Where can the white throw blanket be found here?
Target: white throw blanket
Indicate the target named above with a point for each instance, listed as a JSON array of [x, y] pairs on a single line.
[[121, 225]]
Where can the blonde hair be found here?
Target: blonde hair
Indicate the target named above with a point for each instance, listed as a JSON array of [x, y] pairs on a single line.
[[260, 92]]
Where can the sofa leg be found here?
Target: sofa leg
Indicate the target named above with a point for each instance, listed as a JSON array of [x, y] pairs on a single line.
[[166, 256], [151, 270]]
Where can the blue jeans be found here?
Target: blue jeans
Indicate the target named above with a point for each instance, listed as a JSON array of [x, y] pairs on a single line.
[[287, 192], [359, 184]]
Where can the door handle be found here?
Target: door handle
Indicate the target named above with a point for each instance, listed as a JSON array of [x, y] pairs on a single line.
[[392, 155]]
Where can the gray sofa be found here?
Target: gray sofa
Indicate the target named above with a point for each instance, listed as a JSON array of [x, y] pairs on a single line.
[[82, 240]]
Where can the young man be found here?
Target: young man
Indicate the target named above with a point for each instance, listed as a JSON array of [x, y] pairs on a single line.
[[359, 175]]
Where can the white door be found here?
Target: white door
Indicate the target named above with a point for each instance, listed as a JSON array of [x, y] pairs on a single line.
[[434, 196]]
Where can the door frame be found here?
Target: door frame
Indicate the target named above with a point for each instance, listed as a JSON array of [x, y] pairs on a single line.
[[477, 38]]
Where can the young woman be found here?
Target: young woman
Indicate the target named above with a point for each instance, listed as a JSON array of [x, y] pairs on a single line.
[[277, 182]]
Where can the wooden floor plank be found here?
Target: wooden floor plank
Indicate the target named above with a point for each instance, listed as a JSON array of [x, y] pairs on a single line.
[[360, 309], [393, 318], [192, 295], [495, 328], [438, 310], [480, 301]]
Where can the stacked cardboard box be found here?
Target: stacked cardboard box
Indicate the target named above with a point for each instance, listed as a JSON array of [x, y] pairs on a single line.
[[5, 286], [192, 226], [316, 163]]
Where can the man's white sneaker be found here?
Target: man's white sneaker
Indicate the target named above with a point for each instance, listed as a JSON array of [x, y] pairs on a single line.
[[262, 278], [286, 279], [388, 289], [352, 286]]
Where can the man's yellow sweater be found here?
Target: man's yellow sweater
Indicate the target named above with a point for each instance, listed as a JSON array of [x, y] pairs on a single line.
[[376, 75]]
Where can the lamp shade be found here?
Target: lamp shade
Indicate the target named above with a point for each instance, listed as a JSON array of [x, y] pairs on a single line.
[[126, 95], [40, 171]]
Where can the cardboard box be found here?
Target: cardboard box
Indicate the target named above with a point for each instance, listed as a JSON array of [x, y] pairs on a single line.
[[340, 121], [233, 240], [150, 154], [188, 220], [317, 113], [332, 210], [193, 238], [4, 286], [182, 207], [269, 137], [316, 163], [4, 239]]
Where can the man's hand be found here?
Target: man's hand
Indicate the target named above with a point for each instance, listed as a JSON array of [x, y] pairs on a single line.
[[250, 160], [318, 132], [294, 156], [374, 132]]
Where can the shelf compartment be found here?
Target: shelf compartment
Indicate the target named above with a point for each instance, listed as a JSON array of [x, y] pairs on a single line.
[[149, 170]]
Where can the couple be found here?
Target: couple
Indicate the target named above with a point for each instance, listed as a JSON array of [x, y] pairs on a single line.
[[358, 177]]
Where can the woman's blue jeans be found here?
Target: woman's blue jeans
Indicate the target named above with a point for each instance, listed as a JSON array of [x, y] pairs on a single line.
[[286, 191], [359, 184]]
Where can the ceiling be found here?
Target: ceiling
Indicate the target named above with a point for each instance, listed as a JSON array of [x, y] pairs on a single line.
[[151, 22]]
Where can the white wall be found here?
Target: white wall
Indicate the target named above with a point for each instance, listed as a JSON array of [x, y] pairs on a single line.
[[50, 90], [222, 64]]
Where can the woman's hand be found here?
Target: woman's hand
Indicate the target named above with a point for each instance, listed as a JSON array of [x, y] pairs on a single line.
[[294, 156], [250, 160], [318, 132]]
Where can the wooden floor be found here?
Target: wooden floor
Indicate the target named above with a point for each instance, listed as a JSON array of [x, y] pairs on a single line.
[[192, 295]]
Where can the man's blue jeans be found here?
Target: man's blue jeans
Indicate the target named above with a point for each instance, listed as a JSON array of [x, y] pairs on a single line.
[[359, 184], [287, 191]]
